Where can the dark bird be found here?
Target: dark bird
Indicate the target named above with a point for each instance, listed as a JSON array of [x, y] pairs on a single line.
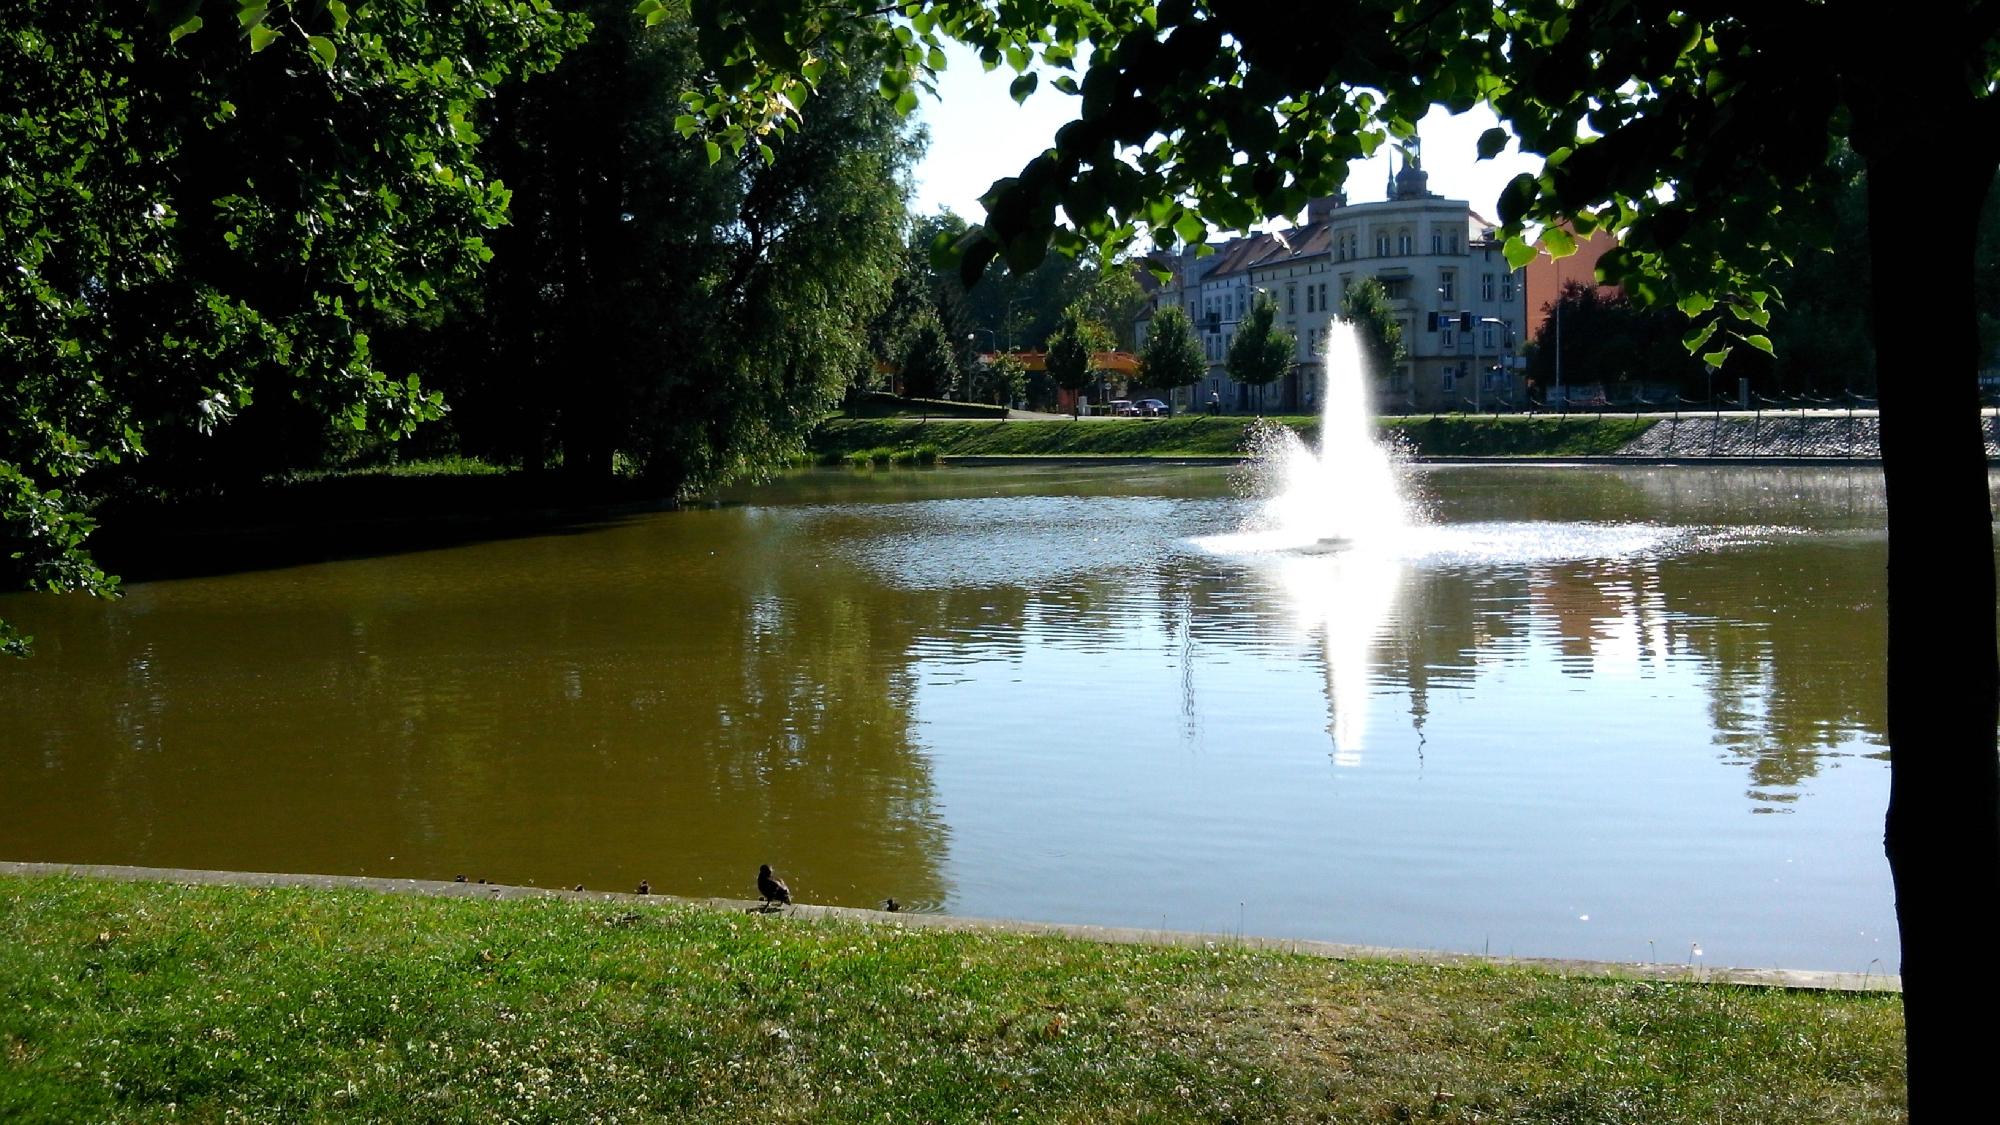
[[458, 879], [771, 887], [645, 888], [892, 906], [579, 886]]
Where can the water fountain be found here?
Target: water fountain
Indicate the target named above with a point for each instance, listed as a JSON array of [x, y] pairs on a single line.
[[1343, 495], [1330, 532]]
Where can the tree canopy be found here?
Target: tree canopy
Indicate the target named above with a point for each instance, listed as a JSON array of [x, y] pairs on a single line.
[[196, 226], [1261, 352], [1692, 130], [1365, 303], [1172, 356], [1072, 349]]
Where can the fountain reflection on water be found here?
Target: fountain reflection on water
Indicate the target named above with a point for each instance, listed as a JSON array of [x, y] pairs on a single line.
[[1332, 531]]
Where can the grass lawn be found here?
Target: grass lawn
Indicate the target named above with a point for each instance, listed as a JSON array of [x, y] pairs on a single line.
[[144, 1002], [1201, 436]]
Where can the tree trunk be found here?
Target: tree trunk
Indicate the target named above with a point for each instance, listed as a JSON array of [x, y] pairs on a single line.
[[1942, 834]]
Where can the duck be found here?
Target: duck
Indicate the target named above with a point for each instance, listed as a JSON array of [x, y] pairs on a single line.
[[771, 887]]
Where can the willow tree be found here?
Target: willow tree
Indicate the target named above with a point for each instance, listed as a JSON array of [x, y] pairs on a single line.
[[1691, 130]]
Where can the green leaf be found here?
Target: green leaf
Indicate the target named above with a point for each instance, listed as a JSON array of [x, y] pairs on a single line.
[[714, 151], [1558, 242], [1022, 87], [262, 37], [1695, 304], [1191, 229], [251, 15], [1695, 340], [1518, 252], [338, 11], [1716, 358], [1761, 343], [189, 28], [323, 47], [1491, 142]]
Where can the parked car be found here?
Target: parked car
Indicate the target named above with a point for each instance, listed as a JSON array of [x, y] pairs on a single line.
[[1153, 408], [1122, 408]]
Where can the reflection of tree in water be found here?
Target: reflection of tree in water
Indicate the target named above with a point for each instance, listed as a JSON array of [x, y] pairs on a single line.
[[523, 710], [1797, 668], [1789, 635]]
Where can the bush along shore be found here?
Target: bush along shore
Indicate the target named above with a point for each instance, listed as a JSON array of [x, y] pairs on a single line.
[[156, 1001], [1198, 436]]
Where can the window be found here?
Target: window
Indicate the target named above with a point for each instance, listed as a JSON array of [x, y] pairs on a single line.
[[1382, 245], [1451, 376], [1448, 285], [1291, 300], [1507, 333], [1451, 243], [1488, 339], [1397, 288], [1322, 297], [1507, 287], [1403, 242], [1310, 307], [1447, 337], [1398, 382], [1486, 287], [1437, 242]]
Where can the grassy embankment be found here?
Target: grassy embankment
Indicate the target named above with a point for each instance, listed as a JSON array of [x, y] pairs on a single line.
[[143, 1002], [1198, 436]]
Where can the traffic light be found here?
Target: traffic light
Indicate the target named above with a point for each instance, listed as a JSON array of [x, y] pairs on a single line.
[[1465, 322], [1434, 321]]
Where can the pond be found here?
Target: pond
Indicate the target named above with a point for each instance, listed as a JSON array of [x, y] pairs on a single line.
[[1611, 713]]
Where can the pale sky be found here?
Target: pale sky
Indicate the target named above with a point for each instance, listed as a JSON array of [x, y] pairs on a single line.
[[978, 135]]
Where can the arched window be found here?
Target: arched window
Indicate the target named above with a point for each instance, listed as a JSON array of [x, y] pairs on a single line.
[[1403, 242]]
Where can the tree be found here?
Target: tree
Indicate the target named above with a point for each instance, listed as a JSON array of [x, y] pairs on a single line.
[[1001, 380], [1112, 297], [1073, 348], [1365, 304], [1608, 339], [1172, 356], [1690, 129], [930, 366], [700, 317], [1261, 353], [201, 225]]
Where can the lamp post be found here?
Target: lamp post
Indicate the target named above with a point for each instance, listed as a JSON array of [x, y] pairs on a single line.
[[1559, 335]]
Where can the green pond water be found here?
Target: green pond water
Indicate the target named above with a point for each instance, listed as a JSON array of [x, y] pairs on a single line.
[[1621, 714]]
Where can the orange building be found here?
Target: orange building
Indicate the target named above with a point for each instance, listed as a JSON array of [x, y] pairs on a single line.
[[1546, 275]]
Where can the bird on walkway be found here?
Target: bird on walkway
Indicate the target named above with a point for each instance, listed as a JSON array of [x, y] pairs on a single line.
[[645, 888], [771, 887]]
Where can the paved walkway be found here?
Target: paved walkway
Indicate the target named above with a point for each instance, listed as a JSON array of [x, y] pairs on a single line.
[[1635, 970]]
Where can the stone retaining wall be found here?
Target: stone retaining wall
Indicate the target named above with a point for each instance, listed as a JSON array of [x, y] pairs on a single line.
[[1773, 435]]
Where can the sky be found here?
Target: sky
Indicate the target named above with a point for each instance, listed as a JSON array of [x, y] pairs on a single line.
[[978, 135]]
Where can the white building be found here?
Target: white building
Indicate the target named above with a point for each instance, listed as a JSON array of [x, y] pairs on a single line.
[[1436, 257]]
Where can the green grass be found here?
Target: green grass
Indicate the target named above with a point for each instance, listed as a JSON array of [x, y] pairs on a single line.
[[144, 1002], [1199, 436]]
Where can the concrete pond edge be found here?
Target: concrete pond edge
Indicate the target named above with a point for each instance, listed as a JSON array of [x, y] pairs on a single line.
[[1798, 979]]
